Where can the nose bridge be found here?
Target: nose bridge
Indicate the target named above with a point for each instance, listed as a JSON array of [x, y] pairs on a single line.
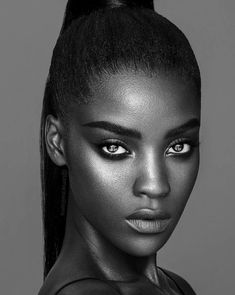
[[152, 179]]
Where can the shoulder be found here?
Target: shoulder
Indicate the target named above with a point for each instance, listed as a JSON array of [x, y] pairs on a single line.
[[88, 287], [180, 282]]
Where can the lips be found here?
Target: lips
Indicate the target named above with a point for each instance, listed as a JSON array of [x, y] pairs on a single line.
[[148, 221], [149, 214]]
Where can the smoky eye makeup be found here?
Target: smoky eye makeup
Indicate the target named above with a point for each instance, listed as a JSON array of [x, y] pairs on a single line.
[[113, 149], [182, 147]]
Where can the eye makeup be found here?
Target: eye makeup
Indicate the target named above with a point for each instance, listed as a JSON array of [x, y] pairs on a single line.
[[181, 147], [113, 149]]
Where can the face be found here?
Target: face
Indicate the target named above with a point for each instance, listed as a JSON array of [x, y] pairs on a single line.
[[133, 158]]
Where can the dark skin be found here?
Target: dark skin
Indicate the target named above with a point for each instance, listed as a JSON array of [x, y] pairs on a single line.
[[149, 162]]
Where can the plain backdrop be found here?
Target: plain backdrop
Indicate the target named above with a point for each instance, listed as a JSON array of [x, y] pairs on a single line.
[[202, 247]]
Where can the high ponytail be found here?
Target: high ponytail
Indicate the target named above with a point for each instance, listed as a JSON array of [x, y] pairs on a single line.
[[54, 182], [76, 8], [101, 38]]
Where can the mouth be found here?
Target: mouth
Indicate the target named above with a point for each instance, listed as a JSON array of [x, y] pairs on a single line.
[[148, 221]]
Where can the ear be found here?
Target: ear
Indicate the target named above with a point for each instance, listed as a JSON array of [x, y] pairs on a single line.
[[54, 140]]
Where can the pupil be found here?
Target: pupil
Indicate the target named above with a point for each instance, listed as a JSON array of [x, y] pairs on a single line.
[[178, 147], [112, 148]]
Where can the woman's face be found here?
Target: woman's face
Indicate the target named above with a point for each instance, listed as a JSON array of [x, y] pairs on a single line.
[[133, 158]]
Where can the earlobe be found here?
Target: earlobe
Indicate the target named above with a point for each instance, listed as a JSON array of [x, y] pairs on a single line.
[[54, 140]]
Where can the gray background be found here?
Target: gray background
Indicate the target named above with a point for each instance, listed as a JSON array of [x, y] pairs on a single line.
[[202, 247]]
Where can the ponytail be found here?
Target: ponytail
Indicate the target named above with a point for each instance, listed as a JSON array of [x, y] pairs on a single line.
[[76, 8], [54, 181]]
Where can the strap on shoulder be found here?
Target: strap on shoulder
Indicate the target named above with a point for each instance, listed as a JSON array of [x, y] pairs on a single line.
[[88, 286], [183, 285]]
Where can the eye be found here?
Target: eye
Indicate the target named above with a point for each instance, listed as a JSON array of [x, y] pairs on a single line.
[[114, 149], [179, 148]]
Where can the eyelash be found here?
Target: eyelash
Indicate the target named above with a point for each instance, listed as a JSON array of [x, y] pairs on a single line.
[[116, 143], [192, 144], [182, 141]]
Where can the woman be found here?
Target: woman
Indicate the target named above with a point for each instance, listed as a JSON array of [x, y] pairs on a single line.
[[119, 143]]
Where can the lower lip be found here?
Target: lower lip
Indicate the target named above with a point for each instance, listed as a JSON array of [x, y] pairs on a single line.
[[148, 226]]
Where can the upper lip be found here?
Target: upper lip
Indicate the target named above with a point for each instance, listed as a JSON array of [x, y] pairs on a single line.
[[149, 214]]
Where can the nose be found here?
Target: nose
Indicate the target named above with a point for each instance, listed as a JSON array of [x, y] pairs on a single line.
[[152, 178]]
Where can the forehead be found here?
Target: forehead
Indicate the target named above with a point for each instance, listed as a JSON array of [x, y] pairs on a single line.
[[138, 100]]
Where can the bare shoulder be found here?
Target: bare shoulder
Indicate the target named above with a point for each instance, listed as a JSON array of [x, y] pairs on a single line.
[[181, 282], [88, 287]]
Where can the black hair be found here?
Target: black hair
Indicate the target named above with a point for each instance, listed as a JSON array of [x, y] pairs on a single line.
[[101, 38]]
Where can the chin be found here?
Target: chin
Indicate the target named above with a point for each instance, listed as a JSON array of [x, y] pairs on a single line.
[[146, 245]]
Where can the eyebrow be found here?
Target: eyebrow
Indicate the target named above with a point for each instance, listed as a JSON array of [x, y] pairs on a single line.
[[191, 124], [124, 131], [114, 128]]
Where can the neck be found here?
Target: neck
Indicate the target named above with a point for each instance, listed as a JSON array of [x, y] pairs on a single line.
[[113, 263]]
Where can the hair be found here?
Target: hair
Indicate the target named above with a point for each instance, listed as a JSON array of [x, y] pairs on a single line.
[[101, 38]]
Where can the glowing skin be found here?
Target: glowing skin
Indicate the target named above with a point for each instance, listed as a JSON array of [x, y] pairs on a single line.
[[114, 172]]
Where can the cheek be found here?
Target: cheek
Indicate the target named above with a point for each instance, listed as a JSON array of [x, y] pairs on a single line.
[[98, 186], [182, 179]]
